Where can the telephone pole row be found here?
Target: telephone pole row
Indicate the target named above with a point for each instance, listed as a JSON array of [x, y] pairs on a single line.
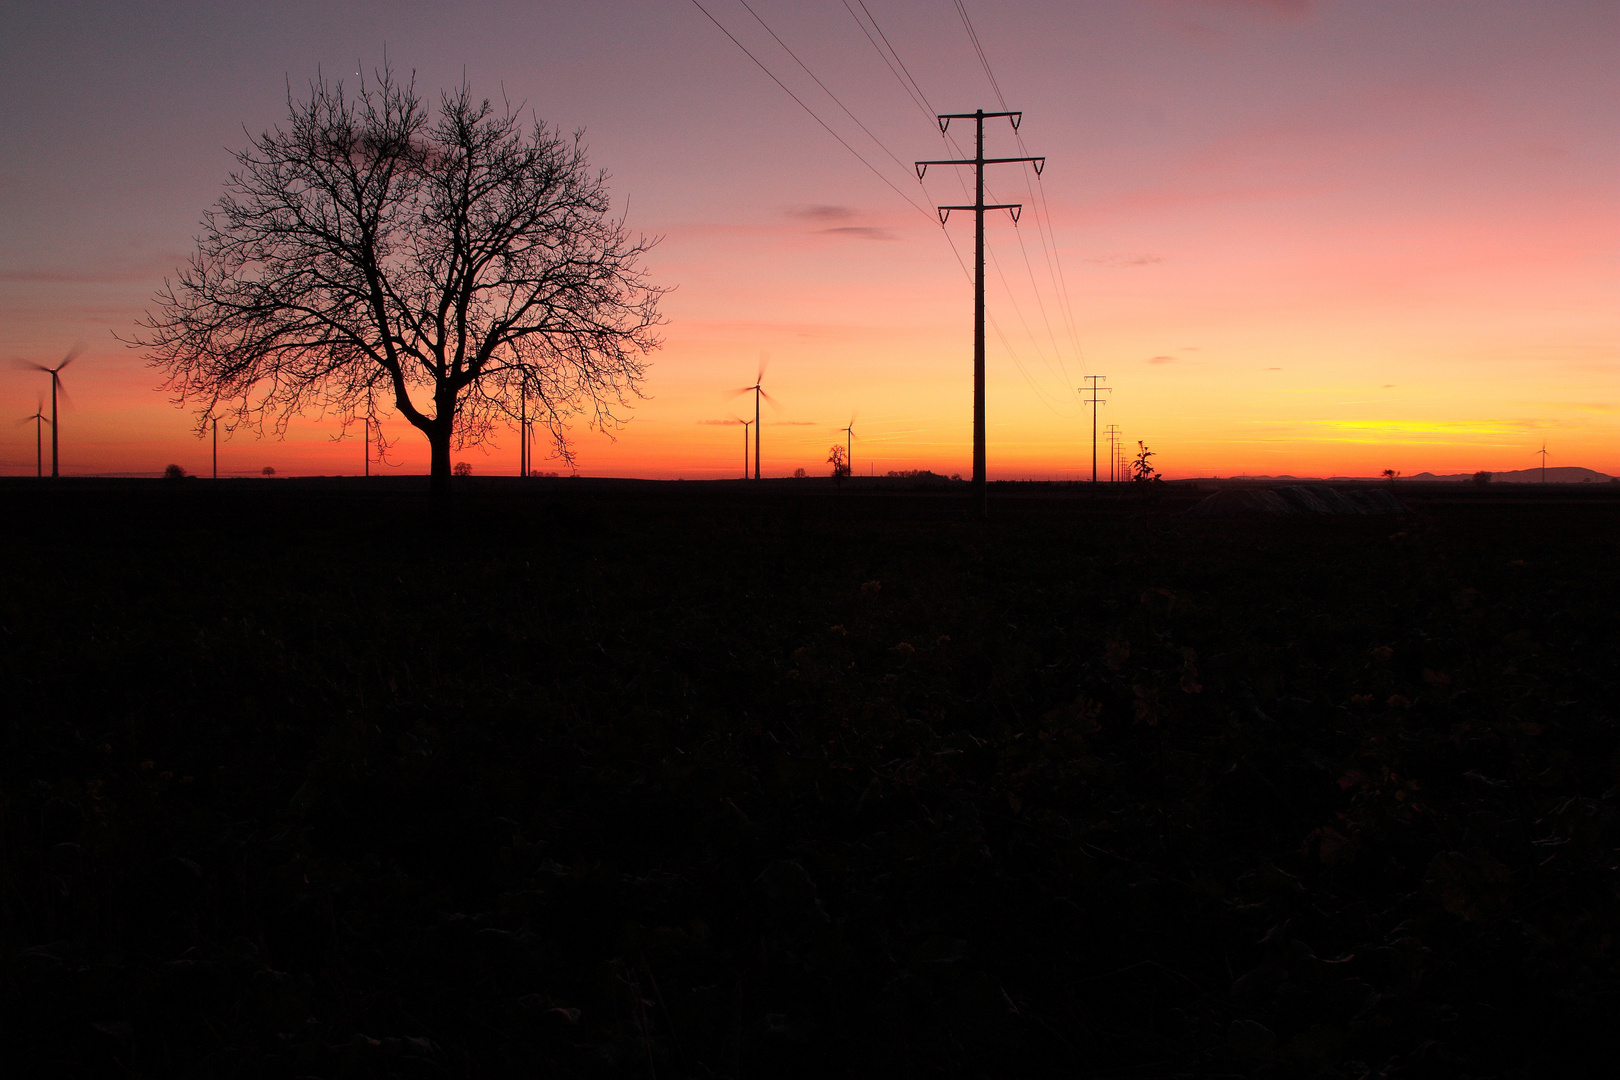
[[979, 161]]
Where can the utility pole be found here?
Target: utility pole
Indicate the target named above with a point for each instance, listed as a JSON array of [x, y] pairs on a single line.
[[1112, 432], [523, 434], [1094, 401], [979, 161], [368, 446], [216, 447]]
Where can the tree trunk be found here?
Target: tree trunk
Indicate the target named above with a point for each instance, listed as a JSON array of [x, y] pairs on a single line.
[[439, 472]]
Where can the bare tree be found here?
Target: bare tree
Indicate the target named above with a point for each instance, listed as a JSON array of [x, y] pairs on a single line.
[[839, 462], [464, 267]]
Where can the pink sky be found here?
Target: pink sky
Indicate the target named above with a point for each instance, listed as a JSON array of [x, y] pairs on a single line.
[[1299, 237]]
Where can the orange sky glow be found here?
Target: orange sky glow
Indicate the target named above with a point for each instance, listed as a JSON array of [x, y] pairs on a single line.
[[1312, 238]]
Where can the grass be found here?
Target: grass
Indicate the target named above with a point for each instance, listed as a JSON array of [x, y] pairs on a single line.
[[720, 780]]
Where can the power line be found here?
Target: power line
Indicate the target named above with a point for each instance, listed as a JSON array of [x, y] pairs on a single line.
[[897, 59], [915, 95], [821, 84], [1094, 400], [808, 109], [1060, 283], [984, 61], [979, 207], [914, 90]]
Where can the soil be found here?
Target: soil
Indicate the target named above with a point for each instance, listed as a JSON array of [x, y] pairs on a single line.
[[302, 778]]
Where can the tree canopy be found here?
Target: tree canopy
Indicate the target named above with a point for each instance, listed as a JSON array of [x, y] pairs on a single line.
[[464, 267]]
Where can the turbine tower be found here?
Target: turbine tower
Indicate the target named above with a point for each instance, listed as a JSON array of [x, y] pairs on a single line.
[[56, 386], [759, 392], [39, 452]]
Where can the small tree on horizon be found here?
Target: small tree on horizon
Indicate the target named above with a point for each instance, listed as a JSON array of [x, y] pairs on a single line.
[[464, 267], [838, 459], [1482, 477], [1142, 468]]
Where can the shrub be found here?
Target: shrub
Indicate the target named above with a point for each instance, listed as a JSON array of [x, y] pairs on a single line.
[[174, 472], [1482, 477]]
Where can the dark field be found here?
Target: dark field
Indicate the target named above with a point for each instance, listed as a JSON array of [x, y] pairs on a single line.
[[753, 781]]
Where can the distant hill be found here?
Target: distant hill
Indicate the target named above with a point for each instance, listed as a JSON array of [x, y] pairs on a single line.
[[1568, 474]]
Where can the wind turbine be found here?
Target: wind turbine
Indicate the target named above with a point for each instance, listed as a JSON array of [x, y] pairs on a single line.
[[759, 392], [745, 425], [1543, 453], [849, 445], [56, 385], [39, 454]]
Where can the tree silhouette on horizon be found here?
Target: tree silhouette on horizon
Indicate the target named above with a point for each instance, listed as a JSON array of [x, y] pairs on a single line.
[[460, 266]]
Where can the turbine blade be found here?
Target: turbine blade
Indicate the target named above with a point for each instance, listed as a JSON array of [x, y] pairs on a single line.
[[744, 390], [770, 401], [764, 362], [72, 355]]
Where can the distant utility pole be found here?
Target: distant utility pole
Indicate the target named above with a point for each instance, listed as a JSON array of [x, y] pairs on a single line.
[[216, 447], [1112, 432], [368, 447], [523, 434], [1094, 401], [979, 161]]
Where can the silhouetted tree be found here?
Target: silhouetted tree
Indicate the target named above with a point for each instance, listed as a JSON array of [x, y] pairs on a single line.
[[1142, 468], [840, 464], [1482, 477], [173, 472], [268, 470], [1390, 474], [462, 469], [447, 264]]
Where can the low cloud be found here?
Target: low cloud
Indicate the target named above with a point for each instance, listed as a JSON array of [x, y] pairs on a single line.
[[1272, 369], [1387, 386], [861, 232], [821, 212], [1161, 360], [77, 277], [1126, 260], [793, 423], [720, 423], [1287, 9]]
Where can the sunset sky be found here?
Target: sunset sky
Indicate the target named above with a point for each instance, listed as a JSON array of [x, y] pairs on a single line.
[[1297, 237]]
